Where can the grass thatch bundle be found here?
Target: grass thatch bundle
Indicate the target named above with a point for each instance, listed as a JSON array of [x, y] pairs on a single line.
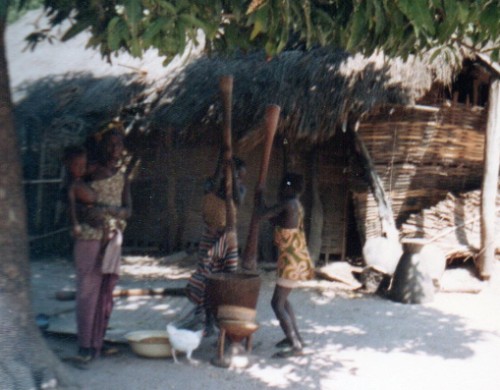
[[317, 91]]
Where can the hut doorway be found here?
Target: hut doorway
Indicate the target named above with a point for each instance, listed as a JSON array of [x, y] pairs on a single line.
[[340, 237]]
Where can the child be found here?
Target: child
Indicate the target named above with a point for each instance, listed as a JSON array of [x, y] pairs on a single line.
[[294, 262], [82, 199], [80, 195]]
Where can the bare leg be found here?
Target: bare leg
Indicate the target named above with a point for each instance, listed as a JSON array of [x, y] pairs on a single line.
[[279, 303], [291, 314]]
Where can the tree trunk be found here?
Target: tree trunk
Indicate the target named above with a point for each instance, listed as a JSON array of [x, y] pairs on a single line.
[[489, 186], [27, 362]]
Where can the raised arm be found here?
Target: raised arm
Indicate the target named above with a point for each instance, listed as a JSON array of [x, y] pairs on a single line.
[[265, 212]]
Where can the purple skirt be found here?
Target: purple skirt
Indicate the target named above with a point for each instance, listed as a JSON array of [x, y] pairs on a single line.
[[94, 294]]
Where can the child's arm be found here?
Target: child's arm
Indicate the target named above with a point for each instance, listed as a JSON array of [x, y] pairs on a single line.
[[85, 205], [84, 194], [75, 225]]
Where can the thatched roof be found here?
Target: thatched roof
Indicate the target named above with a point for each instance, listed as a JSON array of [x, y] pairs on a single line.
[[317, 91], [86, 101], [56, 111]]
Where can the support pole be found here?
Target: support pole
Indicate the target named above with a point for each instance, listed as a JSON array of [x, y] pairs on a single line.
[[489, 187]]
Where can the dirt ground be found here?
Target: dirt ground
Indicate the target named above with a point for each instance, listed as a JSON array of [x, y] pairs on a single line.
[[354, 340]]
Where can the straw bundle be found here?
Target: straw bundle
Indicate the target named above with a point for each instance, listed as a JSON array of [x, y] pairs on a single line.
[[453, 224]]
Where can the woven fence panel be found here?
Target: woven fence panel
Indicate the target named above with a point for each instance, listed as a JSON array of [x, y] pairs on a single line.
[[453, 224], [421, 154]]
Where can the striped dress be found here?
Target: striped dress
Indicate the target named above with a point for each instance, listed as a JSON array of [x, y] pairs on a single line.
[[217, 252]]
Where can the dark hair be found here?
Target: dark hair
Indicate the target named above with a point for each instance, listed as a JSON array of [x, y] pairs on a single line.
[[102, 144], [72, 151], [294, 181], [239, 163]]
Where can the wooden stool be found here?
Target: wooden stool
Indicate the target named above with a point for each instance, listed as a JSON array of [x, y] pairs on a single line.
[[236, 331]]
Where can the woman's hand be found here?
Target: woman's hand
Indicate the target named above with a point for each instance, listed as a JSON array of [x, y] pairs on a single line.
[[118, 212], [76, 231]]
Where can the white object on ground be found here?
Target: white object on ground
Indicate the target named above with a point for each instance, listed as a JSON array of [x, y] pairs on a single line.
[[183, 340], [382, 254]]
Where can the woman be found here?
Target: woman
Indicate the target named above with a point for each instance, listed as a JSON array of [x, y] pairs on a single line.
[[294, 262], [218, 246], [94, 283]]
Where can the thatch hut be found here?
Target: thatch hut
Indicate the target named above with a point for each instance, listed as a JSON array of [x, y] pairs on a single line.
[[52, 113], [422, 124]]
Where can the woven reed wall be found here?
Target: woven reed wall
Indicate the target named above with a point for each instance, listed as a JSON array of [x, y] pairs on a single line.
[[186, 171], [420, 154], [453, 224], [333, 189]]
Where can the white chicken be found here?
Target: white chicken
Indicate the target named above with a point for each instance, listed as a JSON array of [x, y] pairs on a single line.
[[183, 340]]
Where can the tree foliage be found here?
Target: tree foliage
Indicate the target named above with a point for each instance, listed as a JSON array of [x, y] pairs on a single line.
[[398, 27]]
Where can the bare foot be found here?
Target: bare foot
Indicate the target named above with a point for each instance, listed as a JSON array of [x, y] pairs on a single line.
[[288, 353]]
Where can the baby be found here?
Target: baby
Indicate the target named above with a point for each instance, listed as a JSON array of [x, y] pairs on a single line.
[[82, 199]]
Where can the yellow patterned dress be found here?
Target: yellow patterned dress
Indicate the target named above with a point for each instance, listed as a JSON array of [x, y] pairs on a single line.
[[294, 261], [109, 193]]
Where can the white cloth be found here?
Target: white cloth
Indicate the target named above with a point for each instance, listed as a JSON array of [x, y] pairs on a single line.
[[112, 254]]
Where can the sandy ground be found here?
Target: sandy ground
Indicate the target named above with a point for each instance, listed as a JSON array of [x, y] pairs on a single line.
[[355, 340]]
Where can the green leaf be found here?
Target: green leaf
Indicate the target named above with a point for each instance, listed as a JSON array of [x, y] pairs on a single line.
[[75, 29], [153, 29], [357, 28], [450, 22], [114, 35], [260, 18], [181, 37], [192, 20], [135, 48], [435, 54], [380, 20], [463, 12], [133, 12], [490, 18], [418, 14], [167, 7]]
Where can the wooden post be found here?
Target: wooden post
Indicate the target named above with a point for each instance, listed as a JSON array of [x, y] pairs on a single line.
[[315, 228], [226, 89], [383, 202], [173, 237], [249, 262], [489, 185]]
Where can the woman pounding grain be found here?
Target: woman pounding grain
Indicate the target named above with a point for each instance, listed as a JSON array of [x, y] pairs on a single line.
[[218, 246], [294, 262]]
